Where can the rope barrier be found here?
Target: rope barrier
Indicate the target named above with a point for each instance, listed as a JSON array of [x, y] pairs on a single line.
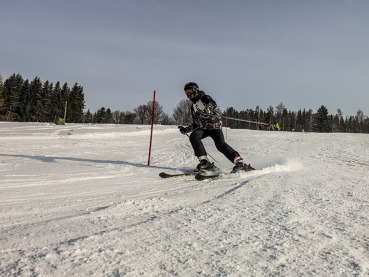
[[249, 121]]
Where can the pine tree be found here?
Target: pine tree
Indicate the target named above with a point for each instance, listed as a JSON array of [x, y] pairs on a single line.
[[11, 90], [299, 121], [232, 113], [293, 121], [23, 102], [100, 115], [47, 95], [88, 117], [63, 98], [321, 121], [76, 104], [34, 103], [54, 103], [108, 116]]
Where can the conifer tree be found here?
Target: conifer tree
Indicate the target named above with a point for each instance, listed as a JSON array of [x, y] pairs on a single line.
[[54, 103], [23, 102], [88, 117], [34, 105], [108, 116], [232, 112], [47, 96], [100, 115], [321, 120], [63, 98], [11, 91], [299, 121], [76, 104], [289, 123]]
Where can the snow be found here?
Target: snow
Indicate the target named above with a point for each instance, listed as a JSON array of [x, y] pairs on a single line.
[[80, 200]]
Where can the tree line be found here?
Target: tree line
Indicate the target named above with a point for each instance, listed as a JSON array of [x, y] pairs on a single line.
[[27, 101], [36, 101], [302, 120]]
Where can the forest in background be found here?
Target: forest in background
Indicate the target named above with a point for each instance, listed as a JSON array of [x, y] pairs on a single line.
[[36, 101]]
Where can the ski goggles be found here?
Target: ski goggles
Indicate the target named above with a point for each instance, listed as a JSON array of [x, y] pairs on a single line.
[[189, 91]]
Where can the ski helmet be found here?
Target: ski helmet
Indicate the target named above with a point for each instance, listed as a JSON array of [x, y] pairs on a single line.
[[191, 89]]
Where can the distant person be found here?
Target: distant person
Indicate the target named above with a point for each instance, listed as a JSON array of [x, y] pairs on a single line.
[[277, 126], [261, 125], [207, 123]]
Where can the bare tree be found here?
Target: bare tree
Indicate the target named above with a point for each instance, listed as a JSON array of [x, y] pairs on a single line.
[[144, 113], [360, 120], [182, 113]]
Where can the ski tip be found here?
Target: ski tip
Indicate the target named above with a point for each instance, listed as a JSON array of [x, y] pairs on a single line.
[[170, 175], [163, 175]]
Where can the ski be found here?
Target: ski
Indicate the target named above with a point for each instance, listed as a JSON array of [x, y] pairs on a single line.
[[169, 175], [202, 177]]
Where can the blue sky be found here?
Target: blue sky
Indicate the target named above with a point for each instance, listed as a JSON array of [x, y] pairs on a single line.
[[243, 53]]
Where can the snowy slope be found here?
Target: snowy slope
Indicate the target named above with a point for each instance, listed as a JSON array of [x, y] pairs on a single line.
[[79, 200]]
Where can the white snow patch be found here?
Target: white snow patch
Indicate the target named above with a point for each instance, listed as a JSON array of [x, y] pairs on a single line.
[[79, 200]]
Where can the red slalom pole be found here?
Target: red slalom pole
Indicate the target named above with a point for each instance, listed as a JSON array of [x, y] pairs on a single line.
[[152, 127]]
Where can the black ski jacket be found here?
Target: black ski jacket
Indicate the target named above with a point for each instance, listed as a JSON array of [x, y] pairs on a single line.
[[205, 114]]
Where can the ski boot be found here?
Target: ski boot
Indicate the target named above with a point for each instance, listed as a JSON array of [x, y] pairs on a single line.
[[205, 166], [240, 166]]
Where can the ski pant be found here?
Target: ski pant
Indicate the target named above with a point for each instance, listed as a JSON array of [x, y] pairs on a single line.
[[217, 135]]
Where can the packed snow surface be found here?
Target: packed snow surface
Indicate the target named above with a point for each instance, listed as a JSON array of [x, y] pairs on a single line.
[[80, 200]]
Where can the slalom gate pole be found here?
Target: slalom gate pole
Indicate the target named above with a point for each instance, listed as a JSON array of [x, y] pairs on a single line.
[[152, 127]]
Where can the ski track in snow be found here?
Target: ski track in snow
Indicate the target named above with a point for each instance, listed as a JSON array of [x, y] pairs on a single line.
[[79, 200]]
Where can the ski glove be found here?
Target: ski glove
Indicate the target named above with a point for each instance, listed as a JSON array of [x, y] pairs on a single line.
[[183, 130]]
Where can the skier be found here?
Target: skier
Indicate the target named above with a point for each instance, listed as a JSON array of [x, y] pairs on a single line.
[[207, 123]]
